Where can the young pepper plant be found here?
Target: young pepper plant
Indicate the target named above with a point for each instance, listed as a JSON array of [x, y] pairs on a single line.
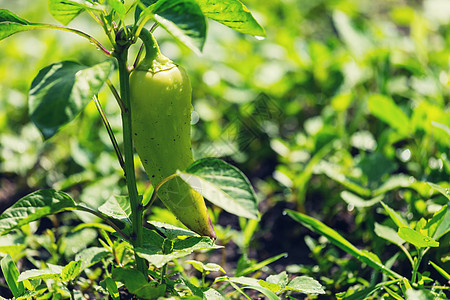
[[60, 92]]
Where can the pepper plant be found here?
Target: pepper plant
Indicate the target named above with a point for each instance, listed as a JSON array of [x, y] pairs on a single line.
[[60, 92]]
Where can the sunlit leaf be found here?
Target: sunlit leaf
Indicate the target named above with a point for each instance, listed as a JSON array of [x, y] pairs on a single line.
[[61, 91], [117, 207], [387, 110], [388, 233], [416, 238], [71, 271], [33, 207], [11, 275], [224, 185], [233, 14], [65, 11], [306, 285]]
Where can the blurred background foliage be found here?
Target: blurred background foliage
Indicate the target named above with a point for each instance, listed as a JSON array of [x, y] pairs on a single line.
[[344, 101]]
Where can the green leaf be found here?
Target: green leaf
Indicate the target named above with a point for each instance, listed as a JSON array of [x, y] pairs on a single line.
[[11, 24], [118, 7], [268, 293], [61, 91], [65, 11], [389, 234], [71, 271], [440, 270], [232, 13], [7, 16], [340, 242], [180, 248], [52, 272], [444, 225], [334, 172], [183, 19], [357, 201], [196, 291], [224, 185], [398, 220], [440, 189], [137, 283], [143, 3], [279, 279], [91, 256], [33, 207], [416, 238], [386, 110], [212, 294], [306, 285], [110, 285], [117, 207], [209, 267], [11, 274], [270, 286], [171, 231]]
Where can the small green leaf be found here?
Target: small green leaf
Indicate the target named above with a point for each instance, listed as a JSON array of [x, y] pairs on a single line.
[[110, 285], [91, 256], [171, 231], [386, 110], [270, 286], [393, 294], [233, 14], [71, 271], [416, 238], [268, 293], [117, 207], [65, 11], [444, 225], [11, 274], [224, 185], [398, 220], [306, 285], [183, 19], [196, 291], [440, 189], [137, 284], [118, 7], [61, 91], [209, 267], [440, 270], [212, 294], [389, 234], [357, 201], [52, 272], [33, 207], [279, 279]]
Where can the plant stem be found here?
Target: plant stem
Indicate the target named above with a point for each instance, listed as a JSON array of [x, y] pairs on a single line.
[[104, 218], [110, 132], [75, 31], [136, 207], [416, 265]]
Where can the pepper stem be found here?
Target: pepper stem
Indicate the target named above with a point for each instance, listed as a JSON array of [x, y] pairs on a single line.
[[151, 49]]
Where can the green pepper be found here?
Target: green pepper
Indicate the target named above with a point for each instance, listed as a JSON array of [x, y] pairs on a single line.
[[160, 100]]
